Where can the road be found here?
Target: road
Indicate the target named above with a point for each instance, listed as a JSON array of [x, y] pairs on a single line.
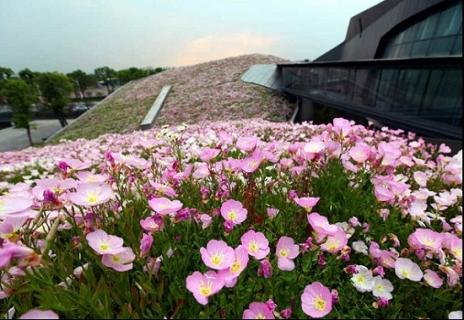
[[16, 139]]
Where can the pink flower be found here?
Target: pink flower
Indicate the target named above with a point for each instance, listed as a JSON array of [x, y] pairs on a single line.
[[425, 239], [359, 153], [406, 269], [217, 255], [420, 178], [256, 244], [316, 300], [239, 264], [454, 245], [258, 310], [121, 261], [10, 251], [13, 204], [202, 286], [246, 143], [335, 242], [307, 202], [145, 244], [233, 211], [251, 164], [89, 177], [433, 279], [321, 225], [272, 212], [163, 189], [208, 153], [286, 251], [91, 194], [383, 257], [164, 206], [452, 277], [314, 146], [39, 314], [103, 243], [265, 269], [206, 220], [152, 224]]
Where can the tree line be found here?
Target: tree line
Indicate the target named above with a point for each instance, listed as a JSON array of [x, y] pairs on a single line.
[[53, 89]]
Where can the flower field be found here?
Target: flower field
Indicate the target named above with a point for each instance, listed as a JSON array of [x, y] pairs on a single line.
[[210, 91], [233, 219]]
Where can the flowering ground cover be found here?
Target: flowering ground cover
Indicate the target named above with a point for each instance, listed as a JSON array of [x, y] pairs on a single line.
[[233, 219], [207, 91]]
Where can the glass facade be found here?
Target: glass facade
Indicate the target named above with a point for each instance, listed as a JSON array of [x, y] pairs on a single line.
[[429, 97], [439, 34]]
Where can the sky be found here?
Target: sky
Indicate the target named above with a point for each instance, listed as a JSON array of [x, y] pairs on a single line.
[[65, 35]]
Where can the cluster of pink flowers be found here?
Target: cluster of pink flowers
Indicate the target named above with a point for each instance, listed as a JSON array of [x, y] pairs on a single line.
[[223, 181]]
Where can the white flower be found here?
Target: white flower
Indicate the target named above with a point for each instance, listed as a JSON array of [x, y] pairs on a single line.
[[360, 247], [455, 315], [363, 280], [382, 288], [407, 269]]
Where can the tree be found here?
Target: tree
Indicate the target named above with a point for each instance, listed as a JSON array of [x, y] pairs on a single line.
[[82, 81], [55, 89], [5, 73], [20, 96], [106, 75], [133, 73], [28, 76]]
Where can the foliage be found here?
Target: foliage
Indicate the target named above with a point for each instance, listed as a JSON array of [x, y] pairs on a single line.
[[55, 89], [133, 73]]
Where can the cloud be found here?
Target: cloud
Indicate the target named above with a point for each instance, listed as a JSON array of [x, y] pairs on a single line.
[[214, 46]]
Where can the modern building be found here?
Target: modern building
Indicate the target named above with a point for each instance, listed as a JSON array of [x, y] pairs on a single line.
[[400, 65]]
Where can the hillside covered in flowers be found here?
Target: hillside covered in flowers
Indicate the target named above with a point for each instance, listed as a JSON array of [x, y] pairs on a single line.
[[233, 219], [207, 91]]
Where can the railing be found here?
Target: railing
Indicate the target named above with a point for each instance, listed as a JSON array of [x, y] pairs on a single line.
[[422, 95]]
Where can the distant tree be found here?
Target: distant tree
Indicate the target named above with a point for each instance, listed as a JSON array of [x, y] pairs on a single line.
[[133, 73], [28, 76], [82, 81], [20, 96], [106, 75], [5, 73], [55, 89]]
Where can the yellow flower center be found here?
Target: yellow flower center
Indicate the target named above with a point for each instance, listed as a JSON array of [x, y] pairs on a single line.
[[457, 253], [104, 246], [260, 316], [360, 279], [319, 303], [405, 273], [205, 290], [235, 267], [380, 287], [283, 253], [92, 198], [232, 215], [332, 244], [116, 259], [427, 242], [253, 247], [216, 259]]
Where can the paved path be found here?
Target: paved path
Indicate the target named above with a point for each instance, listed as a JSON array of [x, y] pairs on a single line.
[[16, 139]]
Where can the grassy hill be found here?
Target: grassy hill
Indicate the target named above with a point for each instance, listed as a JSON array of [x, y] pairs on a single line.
[[204, 92]]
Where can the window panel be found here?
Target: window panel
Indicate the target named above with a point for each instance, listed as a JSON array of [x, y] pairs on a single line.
[[441, 46]]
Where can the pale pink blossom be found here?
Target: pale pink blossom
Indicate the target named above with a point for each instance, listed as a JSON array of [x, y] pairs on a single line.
[[233, 211], [217, 255], [286, 251], [202, 286], [164, 206], [406, 269], [120, 261], [256, 244], [91, 194], [316, 300]]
